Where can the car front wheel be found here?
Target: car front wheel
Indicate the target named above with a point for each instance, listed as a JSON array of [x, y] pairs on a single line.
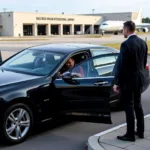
[[16, 124]]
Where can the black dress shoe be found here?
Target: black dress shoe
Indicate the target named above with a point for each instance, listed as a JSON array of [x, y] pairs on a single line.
[[126, 138], [140, 135]]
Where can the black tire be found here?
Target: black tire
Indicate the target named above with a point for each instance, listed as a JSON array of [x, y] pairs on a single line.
[[4, 122]]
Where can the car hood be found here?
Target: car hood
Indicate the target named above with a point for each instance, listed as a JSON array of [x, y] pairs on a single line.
[[9, 77]]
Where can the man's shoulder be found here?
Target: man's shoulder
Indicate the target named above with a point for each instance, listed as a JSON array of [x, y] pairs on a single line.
[[78, 67], [141, 40], [136, 38], [124, 43]]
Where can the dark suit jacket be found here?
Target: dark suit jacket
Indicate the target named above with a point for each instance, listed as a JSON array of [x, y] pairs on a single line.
[[131, 63]]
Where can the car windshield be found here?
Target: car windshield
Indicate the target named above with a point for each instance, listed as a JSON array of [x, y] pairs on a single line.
[[34, 62]]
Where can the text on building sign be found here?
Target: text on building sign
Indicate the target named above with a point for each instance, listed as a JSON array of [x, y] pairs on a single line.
[[55, 19]]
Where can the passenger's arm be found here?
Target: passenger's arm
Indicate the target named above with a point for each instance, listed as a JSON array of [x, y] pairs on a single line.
[[81, 71], [78, 72]]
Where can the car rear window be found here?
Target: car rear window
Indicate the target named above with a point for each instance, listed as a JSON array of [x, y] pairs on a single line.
[[100, 51]]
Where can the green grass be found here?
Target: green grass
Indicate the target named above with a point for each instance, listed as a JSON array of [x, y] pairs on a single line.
[[117, 46]]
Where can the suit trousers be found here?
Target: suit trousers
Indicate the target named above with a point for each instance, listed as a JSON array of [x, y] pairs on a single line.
[[132, 103]]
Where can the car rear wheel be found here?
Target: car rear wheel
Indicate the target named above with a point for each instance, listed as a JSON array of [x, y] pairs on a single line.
[[16, 124]]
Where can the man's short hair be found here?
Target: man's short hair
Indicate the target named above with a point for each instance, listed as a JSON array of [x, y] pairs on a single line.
[[130, 25], [72, 58]]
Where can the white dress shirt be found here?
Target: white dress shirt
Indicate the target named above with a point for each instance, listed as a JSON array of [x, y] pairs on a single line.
[[131, 35]]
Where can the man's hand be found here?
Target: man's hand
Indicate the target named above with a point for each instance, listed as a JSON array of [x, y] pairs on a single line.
[[59, 74], [116, 88]]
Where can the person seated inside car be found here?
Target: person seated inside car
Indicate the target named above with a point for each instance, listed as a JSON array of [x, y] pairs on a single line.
[[77, 71]]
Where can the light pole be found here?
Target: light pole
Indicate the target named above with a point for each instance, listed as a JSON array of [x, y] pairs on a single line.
[[93, 10], [36, 25], [4, 9]]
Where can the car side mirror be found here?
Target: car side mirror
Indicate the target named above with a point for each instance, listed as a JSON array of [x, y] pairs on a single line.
[[68, 78], [67, 75]]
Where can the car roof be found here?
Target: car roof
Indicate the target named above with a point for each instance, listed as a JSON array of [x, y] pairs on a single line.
[[65, 48]]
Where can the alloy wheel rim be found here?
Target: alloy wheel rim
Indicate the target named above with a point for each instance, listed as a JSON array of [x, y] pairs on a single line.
[[17, 124]]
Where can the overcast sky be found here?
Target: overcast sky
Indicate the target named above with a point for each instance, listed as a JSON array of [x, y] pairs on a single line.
[[76, 6]]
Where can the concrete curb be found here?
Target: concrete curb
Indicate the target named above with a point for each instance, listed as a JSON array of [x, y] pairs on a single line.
[[93, 143], [93, 140]]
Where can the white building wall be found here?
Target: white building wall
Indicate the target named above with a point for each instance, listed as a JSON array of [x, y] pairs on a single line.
[[21, 19], [6, 23], [0, 26], [122, 16], [18, 27]]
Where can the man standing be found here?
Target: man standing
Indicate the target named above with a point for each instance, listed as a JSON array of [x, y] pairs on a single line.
[[129, 80]]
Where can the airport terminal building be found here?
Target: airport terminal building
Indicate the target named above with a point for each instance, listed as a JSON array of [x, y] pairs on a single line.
[[35, 24]]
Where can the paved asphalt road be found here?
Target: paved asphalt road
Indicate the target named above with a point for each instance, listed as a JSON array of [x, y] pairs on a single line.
[[18, 45], [69, 135]]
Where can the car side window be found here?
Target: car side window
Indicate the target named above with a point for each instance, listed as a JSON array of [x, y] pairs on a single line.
[[104, 65], [95, 67]]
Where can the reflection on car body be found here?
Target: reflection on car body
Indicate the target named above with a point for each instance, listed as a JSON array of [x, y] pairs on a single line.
[[31, 90]]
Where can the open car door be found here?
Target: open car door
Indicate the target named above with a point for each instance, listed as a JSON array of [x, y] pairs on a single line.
[[85, 91]]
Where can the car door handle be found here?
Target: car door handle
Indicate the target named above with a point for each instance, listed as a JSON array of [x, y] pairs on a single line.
[[101, 83]]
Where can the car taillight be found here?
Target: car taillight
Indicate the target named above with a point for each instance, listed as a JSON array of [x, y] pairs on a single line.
[[147, 66]]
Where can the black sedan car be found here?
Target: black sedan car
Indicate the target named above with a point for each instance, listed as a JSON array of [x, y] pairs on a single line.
[[36, 86]]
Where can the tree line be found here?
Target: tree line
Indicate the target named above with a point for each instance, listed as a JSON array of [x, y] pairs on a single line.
[[146, 20]]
